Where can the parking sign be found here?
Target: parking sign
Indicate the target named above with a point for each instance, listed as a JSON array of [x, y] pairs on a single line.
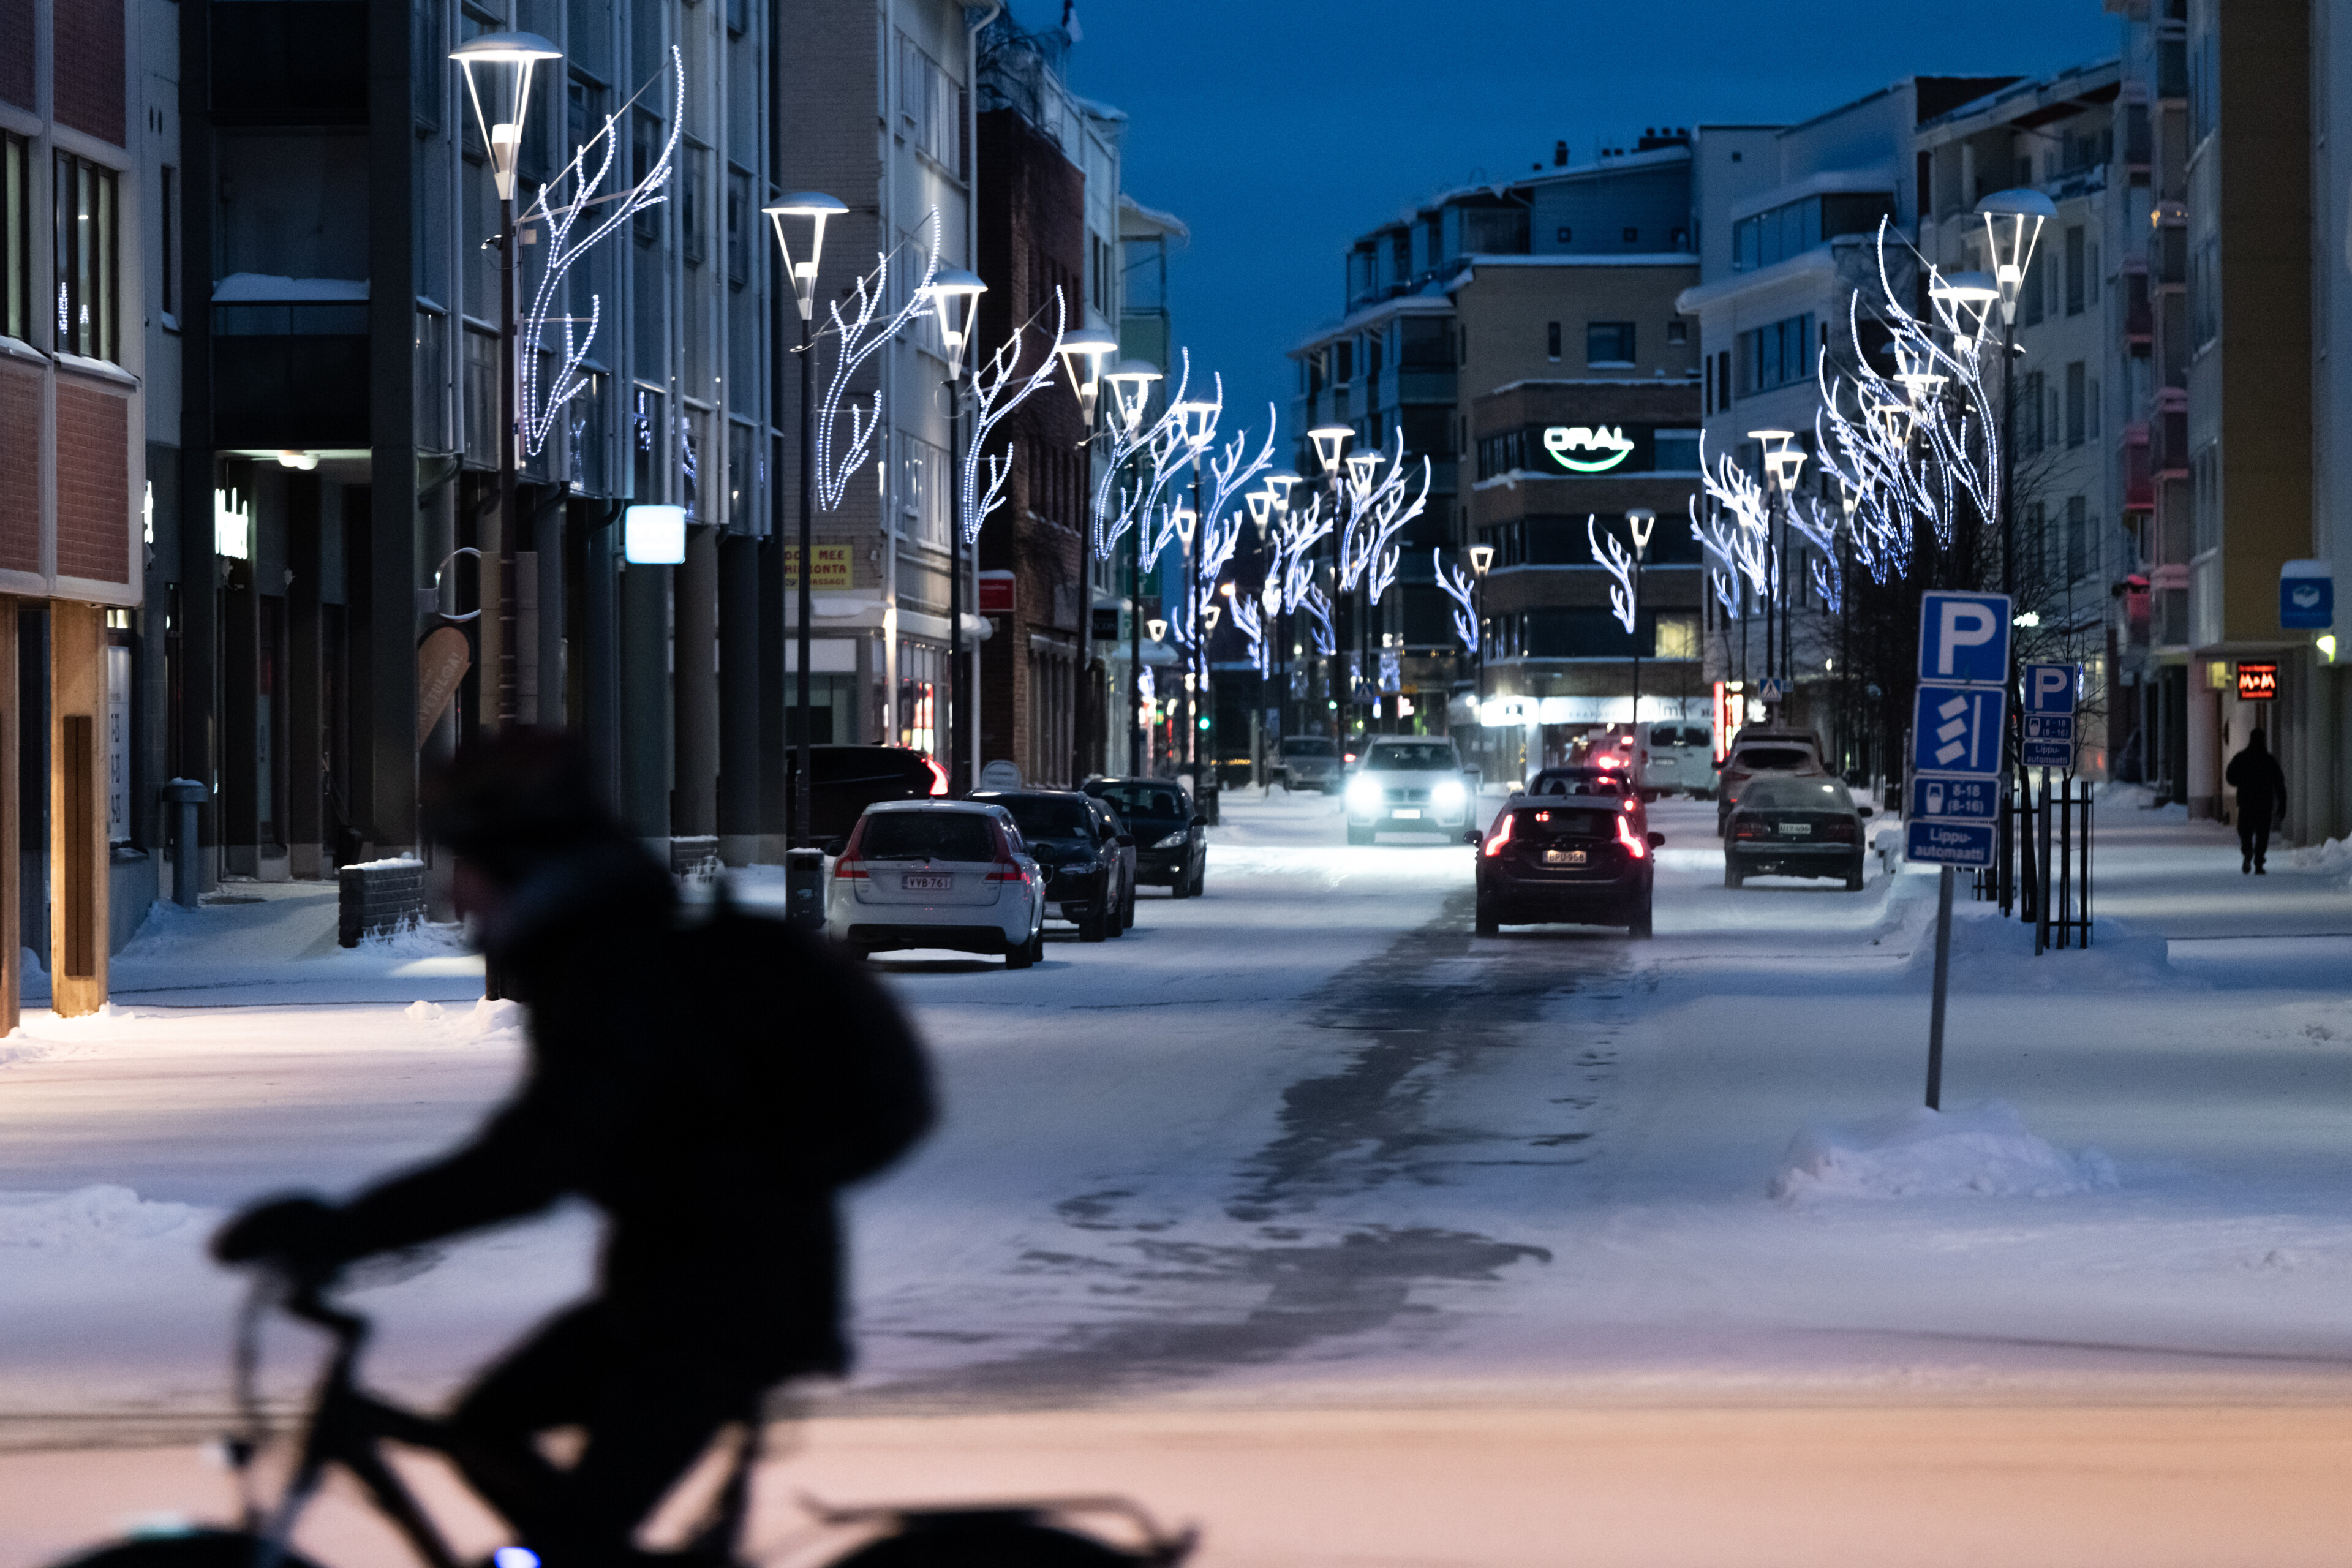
[[1955, 799], [1936, 843], [1958, 730], [1964, 638], [2050, 687]]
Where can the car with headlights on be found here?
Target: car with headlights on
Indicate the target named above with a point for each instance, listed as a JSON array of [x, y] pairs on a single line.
[[1582, 859], [1795, 828], [1407, 783], [1079, 853], [1172, 839], [953, 874]]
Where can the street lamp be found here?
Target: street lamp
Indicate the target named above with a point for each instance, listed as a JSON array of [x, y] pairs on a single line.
[[1196, 426], [955, 295], [1640, 522], [806, 211], [1091, 349], [1330, 442], [1482, 556], [1781, 461], [503, 64], [1969, 297], [1130, 382]]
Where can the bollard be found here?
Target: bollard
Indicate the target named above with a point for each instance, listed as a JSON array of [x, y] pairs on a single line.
[[188, 878], [804, 888]]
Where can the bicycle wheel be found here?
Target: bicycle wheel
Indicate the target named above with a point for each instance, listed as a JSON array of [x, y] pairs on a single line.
[[197, 1549], [984, 1540]]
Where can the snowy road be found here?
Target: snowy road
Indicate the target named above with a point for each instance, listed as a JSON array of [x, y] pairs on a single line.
[[1306, 1139]]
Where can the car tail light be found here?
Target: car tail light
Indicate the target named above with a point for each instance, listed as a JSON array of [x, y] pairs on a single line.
[[1846, 830], [1500, 836], [849, 866], [1007, 868], [938, 777], [1747, 827], [1635, 845]]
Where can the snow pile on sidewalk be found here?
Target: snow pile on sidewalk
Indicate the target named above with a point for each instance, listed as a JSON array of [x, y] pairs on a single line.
[[102, 1220], [1993, 951], [2332, 859], [1982, 1151], [485, 1020]]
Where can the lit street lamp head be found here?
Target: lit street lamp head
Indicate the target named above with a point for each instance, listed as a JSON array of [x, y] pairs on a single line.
[[1278, 488], [1482, 556], [1130, 383], [1197, 422], [1260, 506], [1158, 629], [2014, 221], [812, 208], [1640, 520], [955, 294], [1968, 297], [505, 62], [1362, 466], [1084, 355], [1330, 442]]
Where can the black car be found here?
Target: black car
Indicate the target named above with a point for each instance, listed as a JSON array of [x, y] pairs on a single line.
[[1171, 841], [1082, 856], [845, 780], [1785, 826], [1552, 859]]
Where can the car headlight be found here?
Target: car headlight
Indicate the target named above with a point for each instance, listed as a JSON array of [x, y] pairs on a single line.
[[1449, 795], [1174, 840], [1364, 793]]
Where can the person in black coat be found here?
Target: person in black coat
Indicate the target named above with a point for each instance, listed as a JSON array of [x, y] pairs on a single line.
[[720, 1274], [2261, 785]]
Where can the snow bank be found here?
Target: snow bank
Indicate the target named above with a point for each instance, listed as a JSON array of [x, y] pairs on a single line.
[[1982, 1151], [1989, 951], [102, 1220], [485, 1020], [2332, 859]]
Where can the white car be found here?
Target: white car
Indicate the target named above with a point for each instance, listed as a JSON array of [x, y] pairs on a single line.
[[1407, 783], [937, 873]]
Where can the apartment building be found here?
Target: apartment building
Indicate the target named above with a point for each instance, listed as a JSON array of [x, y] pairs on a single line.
[[81, 148], [1565, 275]]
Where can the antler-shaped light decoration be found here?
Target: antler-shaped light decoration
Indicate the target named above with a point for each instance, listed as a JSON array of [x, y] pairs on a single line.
[[1393, 508], [1617, 560], [1735, 531], [1229, 475], [1303, 528], [1247, 621], [858, 338], [1120, 502], [999, 387], [1459, 586], [538, 407], [1820, 530]]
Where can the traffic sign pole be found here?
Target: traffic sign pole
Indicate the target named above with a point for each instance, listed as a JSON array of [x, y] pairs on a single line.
[[1943, 975]]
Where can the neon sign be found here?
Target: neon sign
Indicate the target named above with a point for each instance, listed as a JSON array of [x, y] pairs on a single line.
[[1560, 440]]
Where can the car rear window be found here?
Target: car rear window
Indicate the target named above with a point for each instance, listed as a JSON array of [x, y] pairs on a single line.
[[926, 835], [1796, 795], [1560, 783], [1153, 800], [1426, 757], [1679, 735], [1773, 759], [1050, 818], [1308, 748], [1564, 822]]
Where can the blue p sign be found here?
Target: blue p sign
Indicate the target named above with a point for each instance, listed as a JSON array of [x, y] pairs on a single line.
[[1964, 638], [2050, 687]]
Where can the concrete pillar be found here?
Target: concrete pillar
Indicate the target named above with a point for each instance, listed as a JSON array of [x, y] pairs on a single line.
[[694, 652], [2203, 784], [599, 653], [774, 692], [645, 693], [301, 816], [740, 634], [78, 847]]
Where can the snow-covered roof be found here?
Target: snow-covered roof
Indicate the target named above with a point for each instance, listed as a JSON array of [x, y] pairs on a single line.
[[1167, 223]]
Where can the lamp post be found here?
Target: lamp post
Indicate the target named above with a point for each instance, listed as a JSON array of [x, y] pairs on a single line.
[[1197, 423], [1781, 461], [1130, 382], [955, 294], [1482, 556], [505, 63], [1158, 628], [1639, 522], [1330, 442], [811, 208]]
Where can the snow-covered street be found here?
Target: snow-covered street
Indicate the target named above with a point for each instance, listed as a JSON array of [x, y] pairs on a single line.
[[1307, 1142]]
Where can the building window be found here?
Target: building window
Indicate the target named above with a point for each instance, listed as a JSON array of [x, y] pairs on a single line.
[[88, 295], [930, 107], [2077, 388], [693, 203], [1722, 378], [16, 236], [1794, 227], [1632, 236], [742, 225], [1778, 355], [923, 494], [168, 243], [1567, 235], [2029, 414], [2077, 257], [2078, 535], [1551, 343], [1678, 331], [1608, 343], [644, 150], [1680, 240]]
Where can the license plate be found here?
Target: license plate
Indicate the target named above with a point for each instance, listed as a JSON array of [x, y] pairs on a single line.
[[928, 884], [1406, 811], [1563, 857], [1798, 830]]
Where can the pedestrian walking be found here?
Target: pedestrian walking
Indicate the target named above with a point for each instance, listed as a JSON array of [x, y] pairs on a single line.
[[2255, 774], [709, 1084]]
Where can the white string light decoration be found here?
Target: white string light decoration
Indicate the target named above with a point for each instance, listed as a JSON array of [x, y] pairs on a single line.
[[998, 388], [1120, 500], [1393, 506], [539, 408], [1462, 589], [1617, 560], [858, 338]]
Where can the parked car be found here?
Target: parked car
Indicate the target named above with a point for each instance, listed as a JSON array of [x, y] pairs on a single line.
[[936, 873], [1412, 784], [1307, 761], [1795, 827], [1082, 853], [1172, 840], [844, 780], [1757, 749], [1678, 757], [1554, 859]]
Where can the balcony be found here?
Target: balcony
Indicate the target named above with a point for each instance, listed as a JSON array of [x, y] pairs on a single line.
[[2139, 479], [2167, 257], [2139, 315]]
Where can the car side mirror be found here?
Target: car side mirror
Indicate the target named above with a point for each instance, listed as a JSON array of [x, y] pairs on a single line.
[[1127, 841], [837, 848], [1474, 839], [1657, 841], [1862, 811], [1200, 821]]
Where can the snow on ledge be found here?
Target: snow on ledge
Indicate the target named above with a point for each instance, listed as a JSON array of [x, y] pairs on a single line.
[[1979, 1150]]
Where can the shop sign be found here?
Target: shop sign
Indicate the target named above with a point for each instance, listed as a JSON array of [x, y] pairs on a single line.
[[2257, 682], [831, 566], [1602, 446]]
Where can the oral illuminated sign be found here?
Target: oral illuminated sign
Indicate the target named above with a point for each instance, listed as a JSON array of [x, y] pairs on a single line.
[[1605, 447]]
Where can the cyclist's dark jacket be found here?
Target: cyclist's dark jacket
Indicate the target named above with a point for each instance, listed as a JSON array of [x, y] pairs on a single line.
[[635, 1101]]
